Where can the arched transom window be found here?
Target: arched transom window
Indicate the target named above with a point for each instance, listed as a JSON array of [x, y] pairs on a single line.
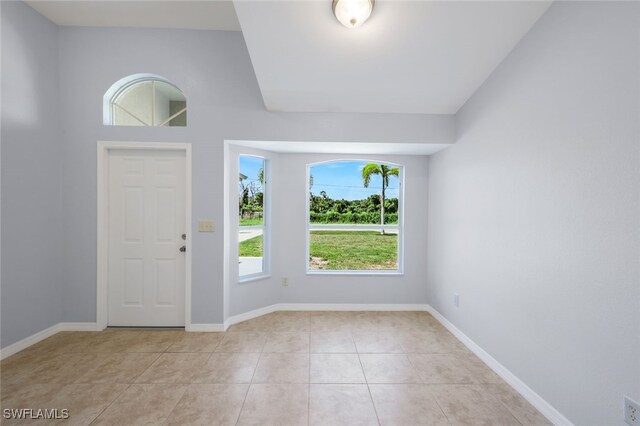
[[145, 100]]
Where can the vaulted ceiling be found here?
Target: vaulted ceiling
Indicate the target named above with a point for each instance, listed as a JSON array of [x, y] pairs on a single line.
[[182, 14], [410, 57]]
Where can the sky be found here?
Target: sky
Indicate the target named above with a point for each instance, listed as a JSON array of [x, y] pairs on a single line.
[[340, 179], [249, 166], [343, 180]]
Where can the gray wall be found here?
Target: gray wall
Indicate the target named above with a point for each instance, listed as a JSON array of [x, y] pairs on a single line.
[[534, 213], [31, 157], [214, 71]]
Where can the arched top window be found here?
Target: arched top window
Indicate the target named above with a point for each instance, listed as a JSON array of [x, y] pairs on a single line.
[[144, 100]]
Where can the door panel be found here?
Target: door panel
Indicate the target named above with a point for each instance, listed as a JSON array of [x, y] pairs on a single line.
[[147, 217]]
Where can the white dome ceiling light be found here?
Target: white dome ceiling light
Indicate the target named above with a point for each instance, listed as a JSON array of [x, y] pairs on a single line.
[[352, 13]]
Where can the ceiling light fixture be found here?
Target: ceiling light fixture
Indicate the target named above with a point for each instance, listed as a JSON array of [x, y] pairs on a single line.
[[352, 13]]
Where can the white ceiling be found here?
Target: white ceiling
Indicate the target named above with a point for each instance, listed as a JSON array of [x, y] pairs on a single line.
[[410, 57], [199, 15], [359, 148]]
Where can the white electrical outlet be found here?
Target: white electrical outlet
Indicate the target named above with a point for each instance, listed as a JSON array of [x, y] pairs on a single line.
[[456, 300], [631, 412], [285, 282]]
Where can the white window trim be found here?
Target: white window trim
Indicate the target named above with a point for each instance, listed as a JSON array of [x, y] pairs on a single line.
[[266, 225], [399, 227]]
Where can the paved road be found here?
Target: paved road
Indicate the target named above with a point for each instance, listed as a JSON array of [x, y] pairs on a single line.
[[247, 234]]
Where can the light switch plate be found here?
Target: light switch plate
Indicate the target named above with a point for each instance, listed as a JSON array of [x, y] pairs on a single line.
[[205, 226]]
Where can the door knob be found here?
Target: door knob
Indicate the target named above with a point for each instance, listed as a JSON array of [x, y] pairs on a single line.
[[184, 236], [183, 249]]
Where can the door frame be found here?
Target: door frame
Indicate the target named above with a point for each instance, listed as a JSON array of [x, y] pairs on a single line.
[[102, 293]]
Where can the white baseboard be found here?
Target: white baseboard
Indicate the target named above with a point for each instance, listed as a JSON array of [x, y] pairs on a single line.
[[349, 307], [553, 415], [79, 326], [205, 327], [47, 332], [249, 315], [322, 307], [28, 341]]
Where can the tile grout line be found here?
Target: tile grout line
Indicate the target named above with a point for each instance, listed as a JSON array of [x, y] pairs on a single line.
[[491, 395], [134, 378], [423, 383], [373, 404], [251, 381], [184, 392], [438, 404], [111, 403], [188, 384], [243, 400]]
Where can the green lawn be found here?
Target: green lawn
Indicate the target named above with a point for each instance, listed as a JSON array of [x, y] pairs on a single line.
[[353, 250], [252, 247], [247, 222], [342, 250]]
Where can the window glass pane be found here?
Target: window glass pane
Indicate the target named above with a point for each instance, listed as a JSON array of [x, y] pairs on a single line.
[[347, 199], [251, 215], [133, 106], [353, 250], [251, 246], [149, 103], [170, 105]]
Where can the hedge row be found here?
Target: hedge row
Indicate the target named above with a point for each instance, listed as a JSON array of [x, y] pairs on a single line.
[[362, 218]]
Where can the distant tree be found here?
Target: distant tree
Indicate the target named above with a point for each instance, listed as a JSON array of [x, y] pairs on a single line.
[[372, 203], [259, 198], [251, 196], [385, 173], [243, 197]]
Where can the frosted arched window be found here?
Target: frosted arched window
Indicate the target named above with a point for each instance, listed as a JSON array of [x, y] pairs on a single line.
[[145, 100]]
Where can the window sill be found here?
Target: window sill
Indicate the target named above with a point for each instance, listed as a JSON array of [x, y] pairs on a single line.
[[252, 278], [356, 273]]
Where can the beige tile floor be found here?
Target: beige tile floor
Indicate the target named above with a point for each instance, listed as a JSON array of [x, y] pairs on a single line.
[[285, 368]]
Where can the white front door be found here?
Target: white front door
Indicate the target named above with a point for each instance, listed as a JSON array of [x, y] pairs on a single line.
[[147, 219]]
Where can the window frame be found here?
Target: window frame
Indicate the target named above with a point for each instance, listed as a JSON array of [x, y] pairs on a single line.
[[400, 226], [124, 84], [266, 225]]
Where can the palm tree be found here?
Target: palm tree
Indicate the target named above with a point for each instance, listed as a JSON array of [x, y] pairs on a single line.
[[385, 172]]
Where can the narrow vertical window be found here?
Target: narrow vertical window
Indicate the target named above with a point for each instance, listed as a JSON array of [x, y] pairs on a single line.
[[354, 217], [253, 217]]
